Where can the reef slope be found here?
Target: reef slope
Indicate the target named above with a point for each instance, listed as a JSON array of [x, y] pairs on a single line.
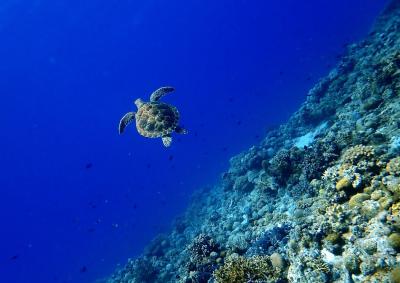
[[317, 201]]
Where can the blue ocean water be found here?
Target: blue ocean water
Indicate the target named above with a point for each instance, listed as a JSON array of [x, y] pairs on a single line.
[[77, 198]]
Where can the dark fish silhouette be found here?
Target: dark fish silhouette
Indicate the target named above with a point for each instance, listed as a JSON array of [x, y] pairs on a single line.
[[14, 257], [83, 269], [92, 204], [170, 157], [89, 165]]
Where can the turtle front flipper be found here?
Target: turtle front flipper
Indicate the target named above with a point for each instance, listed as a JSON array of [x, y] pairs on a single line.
[[156, 95], [167, 140], [180, 130], [125, 121]]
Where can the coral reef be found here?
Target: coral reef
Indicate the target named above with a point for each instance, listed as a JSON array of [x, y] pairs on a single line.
[[318, 200], [239, 269]]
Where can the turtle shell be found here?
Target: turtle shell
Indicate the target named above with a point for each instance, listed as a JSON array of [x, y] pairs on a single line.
[[156, 119]]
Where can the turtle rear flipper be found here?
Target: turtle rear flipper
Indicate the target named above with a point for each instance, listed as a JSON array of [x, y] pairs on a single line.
[[156, 95], [180, 130], [125, 121], [167, 140]]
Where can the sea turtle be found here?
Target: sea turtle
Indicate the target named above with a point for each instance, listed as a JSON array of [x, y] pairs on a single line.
[[154, 119]]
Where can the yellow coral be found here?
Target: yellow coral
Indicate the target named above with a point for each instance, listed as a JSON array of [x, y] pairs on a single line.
[[385, 202], [358, 199], [393, 166], [318, 264], [343, 183], [333, 238], [357, 153], [241, 269], [395, 275], [396, 208], [394, 240]]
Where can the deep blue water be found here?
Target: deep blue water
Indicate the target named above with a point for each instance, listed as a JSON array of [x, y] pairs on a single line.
[[75, 194]]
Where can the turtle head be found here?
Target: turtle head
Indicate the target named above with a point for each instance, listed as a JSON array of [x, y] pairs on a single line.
[[139, 103]]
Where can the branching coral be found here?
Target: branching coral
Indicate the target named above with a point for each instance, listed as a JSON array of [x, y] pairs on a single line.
[[285, 164], [240, 269], [389, 69], [204, 253], [201, 248], [281, 165], [318, 265], [317, 158], [358, 153], [393, 167]]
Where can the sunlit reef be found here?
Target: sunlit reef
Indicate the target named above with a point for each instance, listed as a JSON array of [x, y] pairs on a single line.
[[317, 201]]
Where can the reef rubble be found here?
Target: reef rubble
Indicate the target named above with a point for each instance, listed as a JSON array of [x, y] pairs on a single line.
[[317, 201]]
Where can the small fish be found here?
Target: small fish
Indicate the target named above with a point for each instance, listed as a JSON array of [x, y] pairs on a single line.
[[14, 257], [170, 157], [83, 269], [89, 165]]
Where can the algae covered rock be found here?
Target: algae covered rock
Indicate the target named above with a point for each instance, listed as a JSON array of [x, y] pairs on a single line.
[[370, 208], [333, 238], [394, 240], [351, 262]]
